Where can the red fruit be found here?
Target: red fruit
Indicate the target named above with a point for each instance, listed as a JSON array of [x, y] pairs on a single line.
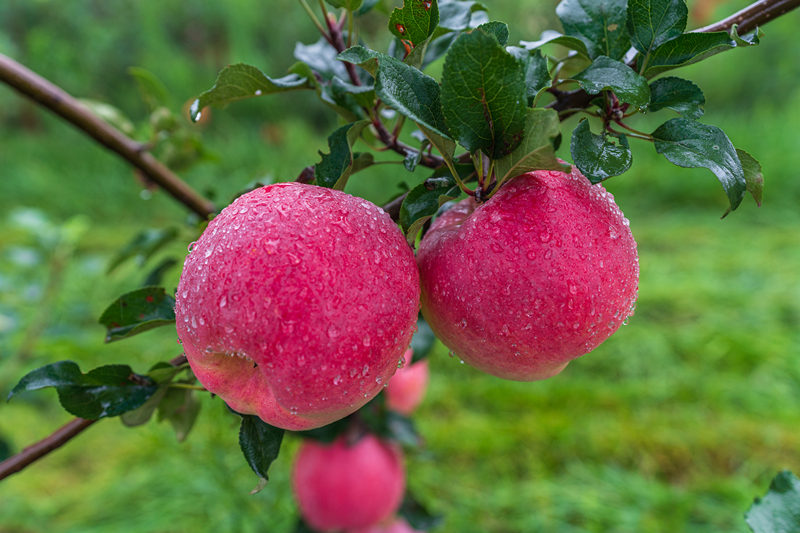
[[407, 387], [343, 486], [541, 273], [296, 304], [398, 525]]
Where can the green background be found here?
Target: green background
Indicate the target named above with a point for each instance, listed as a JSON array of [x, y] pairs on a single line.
[[674, 424]]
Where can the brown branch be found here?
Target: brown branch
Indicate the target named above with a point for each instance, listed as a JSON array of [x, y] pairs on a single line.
[[47, 94], [38, 450], [61, 436], [752, 16]]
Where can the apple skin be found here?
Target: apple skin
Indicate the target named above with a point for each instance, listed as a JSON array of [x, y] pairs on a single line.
[[406, 389], [541, 273], [342, 486], [297, 303], [398, 525]]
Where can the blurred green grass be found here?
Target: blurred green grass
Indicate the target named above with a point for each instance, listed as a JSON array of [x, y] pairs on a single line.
[[674, 424]]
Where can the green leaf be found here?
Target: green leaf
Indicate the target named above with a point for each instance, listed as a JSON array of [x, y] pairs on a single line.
[[335, 168], [413, 158], [320, 57], [415, 21], [137, 312], [400, 428], [779, 510], [677, 94], [423, 341], [260, 443], [350, 5], [366, 7], [537, 75], [143, 246], [155, 276], [424, 200], [753, 175], [688, 143], [180, 408], [110, 114], [609, 74], [153, 91], [554, 37], [537, 151], [105, 391], [692, 47], [484, 95], [459, 15], [498, 29], [143, 413], [597, 156], [653, 22], [302, 527], [236, 82], [417, 515], [600, 24], [402, 87]]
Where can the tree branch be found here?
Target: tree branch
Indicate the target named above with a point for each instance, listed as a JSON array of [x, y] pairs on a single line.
[[40, 90], [38, 450], [752, 16]]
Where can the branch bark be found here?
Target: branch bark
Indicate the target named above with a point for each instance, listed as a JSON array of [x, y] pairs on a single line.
[[754, 15], [42, 91]]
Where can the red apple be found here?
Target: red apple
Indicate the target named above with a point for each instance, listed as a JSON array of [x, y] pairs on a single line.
[[297, 303], [344, 486], [541, 273], [398, 525], [407, 387]]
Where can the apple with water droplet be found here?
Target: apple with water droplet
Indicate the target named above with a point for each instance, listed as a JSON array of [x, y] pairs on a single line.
[[541, 273], [346, 485], [296, 304], [406, 389]]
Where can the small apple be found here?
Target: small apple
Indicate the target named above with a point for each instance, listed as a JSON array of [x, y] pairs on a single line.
[[406, 389], [297, 303], [347, 485], [398, 525], [541, 273]]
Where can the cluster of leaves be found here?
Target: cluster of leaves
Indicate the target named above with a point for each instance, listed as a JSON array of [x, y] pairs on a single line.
[[779, 510], [503, 103]]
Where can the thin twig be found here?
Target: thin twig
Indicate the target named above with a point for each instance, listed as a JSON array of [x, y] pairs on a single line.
[[35, 87], [754, 15]]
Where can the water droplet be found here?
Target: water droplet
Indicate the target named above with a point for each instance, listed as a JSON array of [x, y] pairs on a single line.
[[258, 92], [191, 246], [337, 380], [223, 301], [333, 332]]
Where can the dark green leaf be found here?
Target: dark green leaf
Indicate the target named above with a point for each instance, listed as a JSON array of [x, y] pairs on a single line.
[[779, 510], [260, 444], [155, 276], [600, 24], [609, 74], [143, 246], [137, 312], [321, 58], [690, 48], [677, 94], [336, 167], [536, 152], [153, 91], [105, 391], [413, 158], [5, 449], [415, 21], [753, 175], [302, 527], [180, 407], [553, 37], [498, 29], [142, 414], [401, 429], [653, 22], [423, 341], [417, 515], [350, 5], [236, 82], [425, 199], [537, 75], [484, 95], [597, 156], [327, 433], [687, 143], [366, 7], [402, 87]]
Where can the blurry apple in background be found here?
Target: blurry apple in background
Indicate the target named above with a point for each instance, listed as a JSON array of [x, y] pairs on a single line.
[[407, 387], [342, 486]]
